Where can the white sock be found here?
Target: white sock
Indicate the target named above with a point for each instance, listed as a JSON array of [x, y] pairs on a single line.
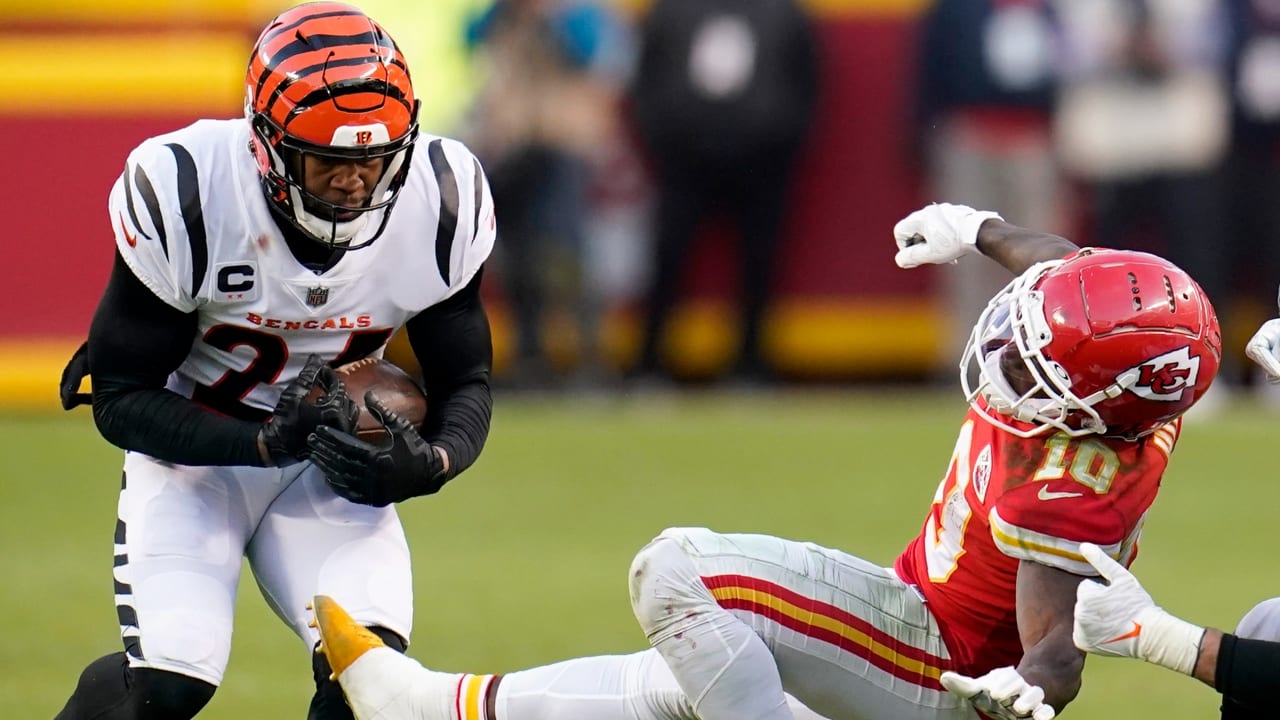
[[386, 685], [608, 687]]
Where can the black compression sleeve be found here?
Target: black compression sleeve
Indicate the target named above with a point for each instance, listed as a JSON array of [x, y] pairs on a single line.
[[453, 345], [135, 341], [1248, 672]]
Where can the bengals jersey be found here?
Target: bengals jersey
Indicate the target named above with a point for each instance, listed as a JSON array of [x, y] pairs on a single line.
[[192, 223], [1006, 499]]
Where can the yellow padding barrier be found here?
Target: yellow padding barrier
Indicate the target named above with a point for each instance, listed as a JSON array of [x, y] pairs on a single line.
[[804, 338], [30, 370], [124, 74], [124, 12]]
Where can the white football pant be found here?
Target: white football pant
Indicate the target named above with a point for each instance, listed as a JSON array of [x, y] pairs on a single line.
[[182, 533], [740, 619]]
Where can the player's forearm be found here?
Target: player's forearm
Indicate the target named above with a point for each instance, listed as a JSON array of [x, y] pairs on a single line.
[[1055, 665], [135, 342], [1018, 248], [464, 425], [169, 427], [454, 347], [1246, 671]]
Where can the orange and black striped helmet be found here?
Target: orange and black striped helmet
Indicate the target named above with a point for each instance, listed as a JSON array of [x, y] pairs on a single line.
[[326, 80]]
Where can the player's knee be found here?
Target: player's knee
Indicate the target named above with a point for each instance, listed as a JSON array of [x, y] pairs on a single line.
[[1262, 622], [164, 695], [665, 586]]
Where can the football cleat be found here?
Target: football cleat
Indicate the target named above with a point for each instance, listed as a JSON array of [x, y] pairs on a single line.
[[342, 639], [378, 682]]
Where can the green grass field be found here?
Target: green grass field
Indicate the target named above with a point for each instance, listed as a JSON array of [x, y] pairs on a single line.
[[523, 560]]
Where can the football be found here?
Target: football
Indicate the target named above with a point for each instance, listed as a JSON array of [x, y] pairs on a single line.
[[397, 390]]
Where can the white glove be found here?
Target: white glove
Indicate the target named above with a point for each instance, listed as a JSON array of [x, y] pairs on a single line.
[[1001, 693], [1121, 620], [1264, 348], [938, 233]]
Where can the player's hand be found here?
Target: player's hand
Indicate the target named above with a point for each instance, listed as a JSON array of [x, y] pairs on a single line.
[[402, 467], [1264, 348], [295, 417], [73, 374], [1120, 619], [1002, 693], [938, 233]]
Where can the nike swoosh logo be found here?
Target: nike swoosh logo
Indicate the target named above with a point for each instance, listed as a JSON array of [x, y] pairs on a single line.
[[1135, 632], [1045, 494], [128, 237]]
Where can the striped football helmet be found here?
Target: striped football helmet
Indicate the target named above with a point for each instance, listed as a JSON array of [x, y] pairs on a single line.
[[326, 81]]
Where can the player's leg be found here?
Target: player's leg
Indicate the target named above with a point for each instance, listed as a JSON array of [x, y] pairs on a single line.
[[384, 685], [681, 205], [312, 542], [741, 618], [179, 537], [1260, 623]]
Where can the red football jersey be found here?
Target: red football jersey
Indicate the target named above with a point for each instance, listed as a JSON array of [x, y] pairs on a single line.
[[1006, 499]]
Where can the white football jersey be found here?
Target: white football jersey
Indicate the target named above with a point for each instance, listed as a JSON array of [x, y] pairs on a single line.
[[192, 223]]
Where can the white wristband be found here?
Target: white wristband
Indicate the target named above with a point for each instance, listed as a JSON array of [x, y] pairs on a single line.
[[970, 224], [1169, 641]]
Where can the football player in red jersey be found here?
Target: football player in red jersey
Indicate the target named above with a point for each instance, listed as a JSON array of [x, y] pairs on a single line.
[[1077, 374]]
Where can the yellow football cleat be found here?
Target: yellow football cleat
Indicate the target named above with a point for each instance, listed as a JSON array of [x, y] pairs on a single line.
[[342, 639]]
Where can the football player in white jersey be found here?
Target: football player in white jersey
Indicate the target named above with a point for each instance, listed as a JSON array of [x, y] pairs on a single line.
[[253, 255]]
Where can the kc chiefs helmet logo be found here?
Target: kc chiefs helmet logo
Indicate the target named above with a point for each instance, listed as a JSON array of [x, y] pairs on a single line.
[[1165, 377]]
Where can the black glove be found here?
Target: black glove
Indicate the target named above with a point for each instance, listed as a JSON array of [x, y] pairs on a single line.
[[73, 374], [295, 417], [403, 466]]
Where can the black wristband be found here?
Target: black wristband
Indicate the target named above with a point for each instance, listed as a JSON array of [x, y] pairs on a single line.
[[1246, 674]]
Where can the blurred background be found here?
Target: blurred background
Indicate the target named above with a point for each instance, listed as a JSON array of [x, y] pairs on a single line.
[[704, 191], [693, 291]]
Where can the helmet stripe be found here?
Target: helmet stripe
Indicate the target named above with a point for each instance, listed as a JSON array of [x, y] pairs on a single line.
[[274, 67], [275, 32], [311, 43], [293, 77], [377, 88]]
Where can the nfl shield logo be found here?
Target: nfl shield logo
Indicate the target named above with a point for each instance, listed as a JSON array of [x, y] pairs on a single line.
[[317, 296]]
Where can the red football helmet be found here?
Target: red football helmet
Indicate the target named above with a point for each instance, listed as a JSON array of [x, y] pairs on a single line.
[[1108, 342], [326, 81]]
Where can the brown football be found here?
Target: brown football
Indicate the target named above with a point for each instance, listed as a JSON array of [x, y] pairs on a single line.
[[397, 390]]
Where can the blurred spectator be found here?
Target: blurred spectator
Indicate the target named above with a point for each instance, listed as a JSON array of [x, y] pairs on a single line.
[[723, 97], [1143, 120], [547, 108], [1254, 163], [435, 50], [987, 77]]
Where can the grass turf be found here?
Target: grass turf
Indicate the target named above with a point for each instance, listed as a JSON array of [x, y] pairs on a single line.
[[522, 561]]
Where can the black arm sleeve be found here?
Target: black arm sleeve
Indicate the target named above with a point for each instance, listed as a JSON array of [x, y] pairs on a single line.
[[1248, 675], [135, 342], [453, 345]]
